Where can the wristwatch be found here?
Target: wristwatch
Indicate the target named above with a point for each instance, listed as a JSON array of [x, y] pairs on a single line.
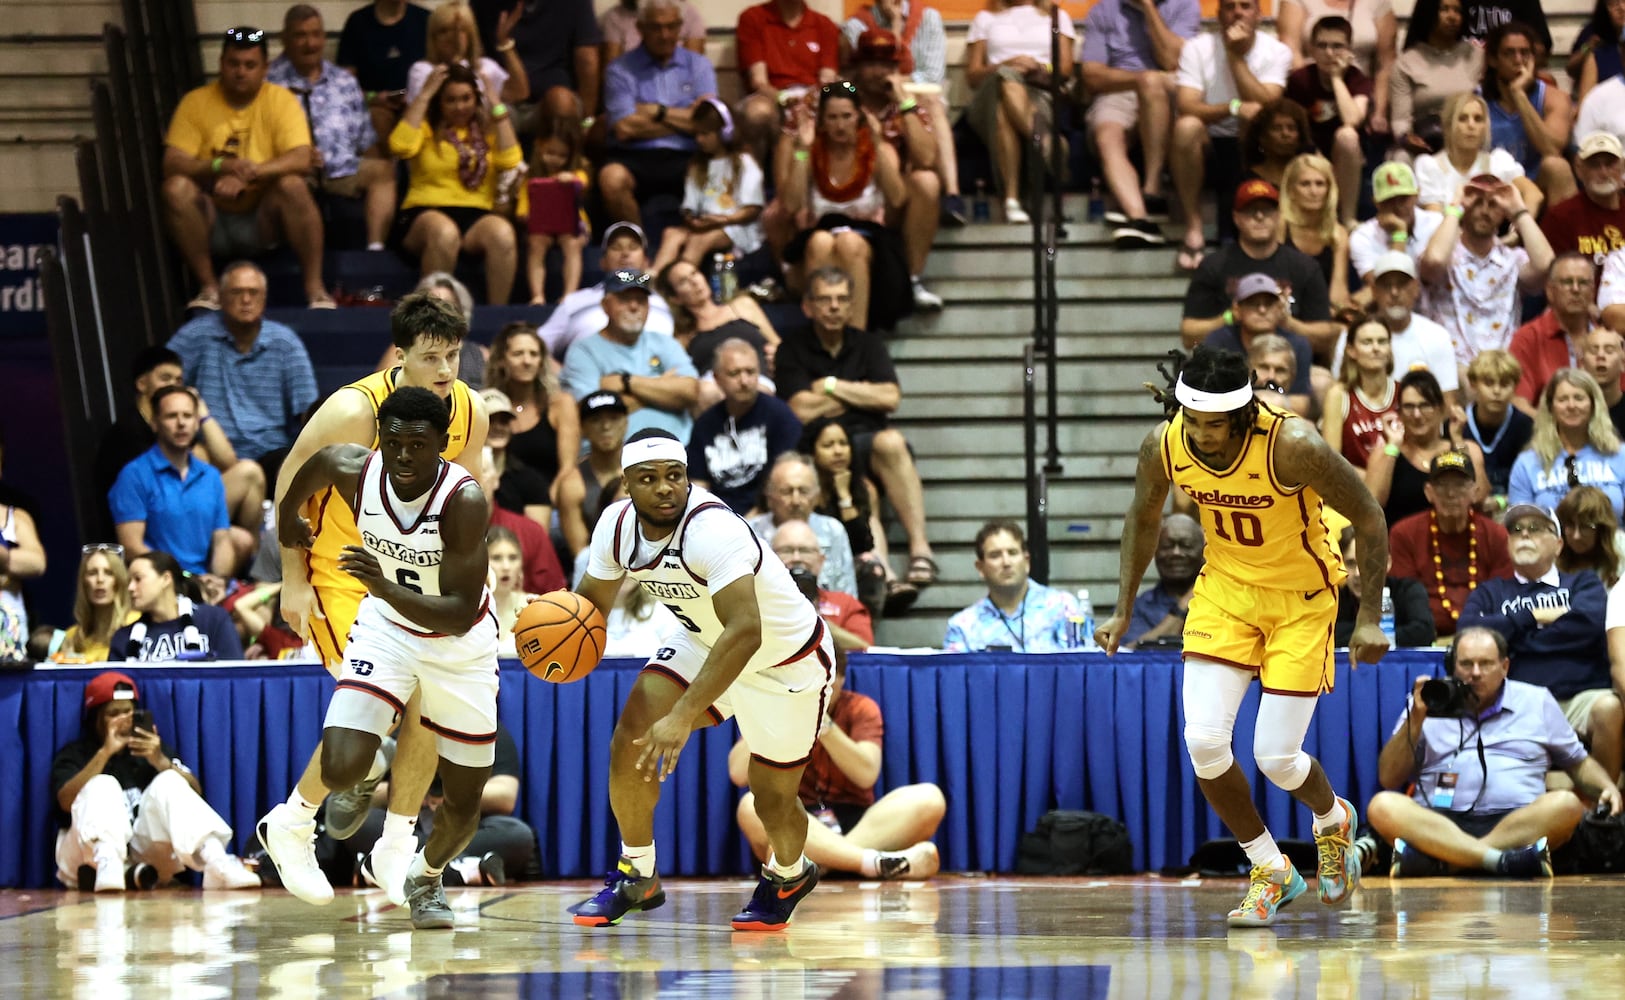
[[626, 383], [660, 112]]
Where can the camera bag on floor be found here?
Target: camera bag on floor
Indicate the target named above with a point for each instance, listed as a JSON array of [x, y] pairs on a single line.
[[1073, 842]]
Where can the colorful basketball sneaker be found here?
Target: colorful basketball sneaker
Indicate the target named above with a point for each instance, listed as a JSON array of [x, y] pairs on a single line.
[[775, 899], [623, 892], [1339, 862], [1270, 890]]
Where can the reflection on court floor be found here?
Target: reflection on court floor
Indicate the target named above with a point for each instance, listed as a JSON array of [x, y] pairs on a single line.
[[954, 937]]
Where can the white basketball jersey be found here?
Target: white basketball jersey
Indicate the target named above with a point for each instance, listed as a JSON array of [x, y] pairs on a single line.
[[710, 548], [405, 535]]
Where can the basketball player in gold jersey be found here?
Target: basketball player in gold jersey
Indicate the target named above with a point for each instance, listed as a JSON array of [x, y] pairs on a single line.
[[1264, 604], [320, 600]]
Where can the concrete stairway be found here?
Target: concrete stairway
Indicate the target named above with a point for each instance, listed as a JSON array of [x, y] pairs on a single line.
[[961, 372]]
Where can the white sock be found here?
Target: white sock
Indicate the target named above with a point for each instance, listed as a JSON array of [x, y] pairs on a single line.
[[1335, 816], [1492, 859], [871, 863], [914, 279], [420, 867], [305, 810], [397, 826], [1263, 852], [210, 851], [375, 246], [641, 858], [790, 871]]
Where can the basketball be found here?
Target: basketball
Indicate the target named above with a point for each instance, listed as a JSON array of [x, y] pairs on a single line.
[[560, 637]]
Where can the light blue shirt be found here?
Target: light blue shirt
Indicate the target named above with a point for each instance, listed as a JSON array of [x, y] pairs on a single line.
[[258, 397], [1039, 627], [653, 354], [1531, 483], [635, 78], [1115, 34]]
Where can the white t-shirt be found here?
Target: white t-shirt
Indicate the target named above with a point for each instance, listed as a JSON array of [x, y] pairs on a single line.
[[714, 199], [710, 548], [1423, 344], [1478, 303], [1603, 110], [1615, 618], [1016, 31], [491, 73], [1440, 181], [1203, 68], [581, 314], [1369, 241], [1611, 287]]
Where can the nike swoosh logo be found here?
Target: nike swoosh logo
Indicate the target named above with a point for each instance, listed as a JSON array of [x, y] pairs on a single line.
[[787, 893], [1309, 595], [801, 688], [1181, 468], [372, 513]]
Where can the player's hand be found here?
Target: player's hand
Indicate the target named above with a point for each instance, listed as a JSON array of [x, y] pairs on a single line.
[[294, 533], [363, 565], [661, 746], [1108, 636], [297, 600], [1367, 644]]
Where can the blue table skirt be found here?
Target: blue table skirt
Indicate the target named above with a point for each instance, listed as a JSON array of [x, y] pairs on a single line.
[[1006, 736]]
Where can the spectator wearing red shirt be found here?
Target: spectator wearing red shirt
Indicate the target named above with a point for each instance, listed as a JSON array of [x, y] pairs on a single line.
[[847, 828], [781, 45], [796, 545], [543, 572], [1552, 340], [1451, 548], [1593, 221]]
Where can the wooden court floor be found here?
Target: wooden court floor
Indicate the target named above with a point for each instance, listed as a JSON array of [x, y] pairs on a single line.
[[957, 936]]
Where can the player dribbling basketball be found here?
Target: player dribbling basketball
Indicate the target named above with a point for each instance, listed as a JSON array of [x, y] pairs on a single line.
[[748, 645]]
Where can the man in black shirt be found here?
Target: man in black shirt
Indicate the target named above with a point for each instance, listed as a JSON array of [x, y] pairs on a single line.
[[379, 44], [120, 793], [835, 370]]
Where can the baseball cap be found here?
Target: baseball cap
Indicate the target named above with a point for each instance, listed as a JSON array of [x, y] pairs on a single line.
[[496, 401], [628, 227], [1256, 284], [876, 45], [1393, 260], [1393, 180], [627, 280], [1519, 511], [600, 402], [111, 686], [1451, 462], [1255, 190], [1601, 142]]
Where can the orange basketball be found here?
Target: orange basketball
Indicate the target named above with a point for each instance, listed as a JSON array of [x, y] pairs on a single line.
[[560, 637]]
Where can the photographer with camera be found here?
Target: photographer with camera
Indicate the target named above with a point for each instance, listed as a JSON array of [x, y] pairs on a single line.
[[1555, 625], [1474, 747]]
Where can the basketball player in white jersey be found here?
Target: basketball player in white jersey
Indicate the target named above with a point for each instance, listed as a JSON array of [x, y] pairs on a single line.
[[425, 625], [748, 645]]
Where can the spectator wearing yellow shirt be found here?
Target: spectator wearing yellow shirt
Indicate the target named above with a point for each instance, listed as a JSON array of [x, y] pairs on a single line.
[[235, 161], [456, 144]]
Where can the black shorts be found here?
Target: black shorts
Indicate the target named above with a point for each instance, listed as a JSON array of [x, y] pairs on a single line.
[[657, 171], [461, 216], [863, 448], [1474, 824], [846, 813]]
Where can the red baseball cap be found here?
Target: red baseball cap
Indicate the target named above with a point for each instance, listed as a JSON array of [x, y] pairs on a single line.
[[876, 45], [111, 686], [1255, 190]]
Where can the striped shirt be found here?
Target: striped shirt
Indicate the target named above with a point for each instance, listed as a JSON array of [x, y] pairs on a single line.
[[257, 397], [929, 46]]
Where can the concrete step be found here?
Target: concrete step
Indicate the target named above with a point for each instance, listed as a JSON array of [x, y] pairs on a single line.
[[1133, 310], [1010, 349], [952, 262], [922, 404], [1077, 437], [1084, 375], [1014, 289]]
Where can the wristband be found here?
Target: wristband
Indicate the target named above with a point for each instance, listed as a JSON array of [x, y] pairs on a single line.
[[829, 385], [499, 110], [205, 420], [626, 384], [216, 164], [371, 96], [907, 105], [506, 46], [1455, 211], [1229, 318], [1520, 213], [587, 123], [1391, 450], [1398, 238], [801, 156], [660, 112], [1235, 107]]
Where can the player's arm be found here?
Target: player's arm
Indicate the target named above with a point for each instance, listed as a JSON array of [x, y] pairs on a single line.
[[600, 592], [463, 569], [1302, 457], [345, 418], [1139, 543], [741, 637], [337, 465]]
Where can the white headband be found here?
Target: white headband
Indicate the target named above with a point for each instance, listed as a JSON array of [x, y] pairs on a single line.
[[1203, 401], [653, 449]]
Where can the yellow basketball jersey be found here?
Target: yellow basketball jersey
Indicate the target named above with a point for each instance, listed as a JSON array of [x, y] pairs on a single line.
[[1259, 533], [332, 522]]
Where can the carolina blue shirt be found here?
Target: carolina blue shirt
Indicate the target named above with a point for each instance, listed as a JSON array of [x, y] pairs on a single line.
[[1039, 627], [339, 121], [1530, 483], [1507, 131], [654, 354], [181, 515], [1525, 735], [636, 78], [257, 397], [1115, 35]]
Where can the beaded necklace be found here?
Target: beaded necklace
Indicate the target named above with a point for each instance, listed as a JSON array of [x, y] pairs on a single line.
[[1438, 563]]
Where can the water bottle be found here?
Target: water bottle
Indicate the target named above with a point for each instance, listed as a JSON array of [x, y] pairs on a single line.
[[716, 277], [1097, 202], [1086, 609], [981, 210], [1388, 615], [268, 516], [730, 279]]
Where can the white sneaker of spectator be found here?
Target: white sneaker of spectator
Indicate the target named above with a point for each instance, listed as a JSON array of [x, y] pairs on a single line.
[[228, 872], [109, 870], [924, 298]]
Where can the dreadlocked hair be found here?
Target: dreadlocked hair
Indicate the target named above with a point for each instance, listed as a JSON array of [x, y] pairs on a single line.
[[1211, 370]]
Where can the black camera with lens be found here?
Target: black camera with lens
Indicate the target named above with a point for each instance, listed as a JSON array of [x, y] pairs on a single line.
[[1449, 698]]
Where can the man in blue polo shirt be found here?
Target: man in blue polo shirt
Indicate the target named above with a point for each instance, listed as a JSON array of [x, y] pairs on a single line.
[[649, 94], [1479, 773], [253, 372], [169, 501]]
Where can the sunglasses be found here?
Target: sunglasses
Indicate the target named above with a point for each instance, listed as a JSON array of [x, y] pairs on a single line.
[[245, 36], [840, 88], [95, 547]]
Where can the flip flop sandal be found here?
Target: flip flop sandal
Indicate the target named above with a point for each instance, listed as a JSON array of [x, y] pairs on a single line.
[[922, 571]]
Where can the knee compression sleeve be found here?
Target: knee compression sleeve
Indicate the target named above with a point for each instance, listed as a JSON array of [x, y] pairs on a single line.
[[1283, 720], [1213, 693]]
